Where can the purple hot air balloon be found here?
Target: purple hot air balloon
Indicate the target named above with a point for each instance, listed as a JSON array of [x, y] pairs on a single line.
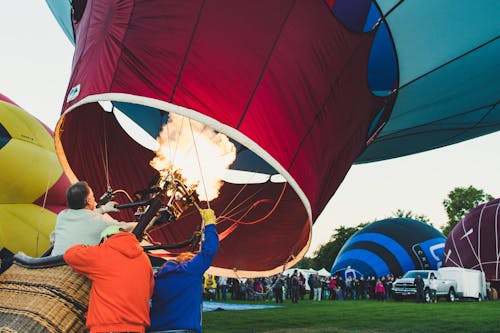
[[474, 242]]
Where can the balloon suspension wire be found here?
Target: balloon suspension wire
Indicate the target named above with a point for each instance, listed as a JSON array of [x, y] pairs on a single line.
[[237, 222], [230, 212], [106, 157], [51, 170], [202, 227], [173, 152], [199, 163], [233, 211], [254, 205], [236, 210]]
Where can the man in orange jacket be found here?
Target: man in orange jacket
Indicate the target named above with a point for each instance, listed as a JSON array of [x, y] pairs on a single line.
[[122, 281]]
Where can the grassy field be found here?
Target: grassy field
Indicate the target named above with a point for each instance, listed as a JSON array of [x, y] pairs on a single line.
[[359, 316]]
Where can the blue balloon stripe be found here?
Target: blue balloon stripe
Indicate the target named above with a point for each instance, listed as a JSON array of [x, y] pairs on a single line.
[[390, 260], [390, 244], [372, 260]]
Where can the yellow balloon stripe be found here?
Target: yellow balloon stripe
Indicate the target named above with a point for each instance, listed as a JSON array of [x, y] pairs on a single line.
[[27, 170], [28, 163], [26, 228], [23, 126]]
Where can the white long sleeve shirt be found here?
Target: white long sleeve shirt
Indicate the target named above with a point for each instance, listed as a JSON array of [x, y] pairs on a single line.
[[433, 284]]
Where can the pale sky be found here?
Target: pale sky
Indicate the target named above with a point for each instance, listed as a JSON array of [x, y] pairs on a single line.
[[35, 64]]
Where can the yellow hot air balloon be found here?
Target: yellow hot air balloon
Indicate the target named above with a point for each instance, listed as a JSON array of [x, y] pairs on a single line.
[[32, 183]]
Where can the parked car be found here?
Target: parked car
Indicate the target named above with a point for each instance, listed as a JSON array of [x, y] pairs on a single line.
[[405, 288]]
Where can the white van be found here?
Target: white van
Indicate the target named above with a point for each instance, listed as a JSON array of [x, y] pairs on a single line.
[[471, 283]]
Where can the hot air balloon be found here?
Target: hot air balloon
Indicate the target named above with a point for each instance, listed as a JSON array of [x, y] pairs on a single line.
[[390, 246], [296, 92], [473, 243], [32, 181]]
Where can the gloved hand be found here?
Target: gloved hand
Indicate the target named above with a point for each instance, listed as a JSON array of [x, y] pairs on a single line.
[[208, 215], [108, 207]]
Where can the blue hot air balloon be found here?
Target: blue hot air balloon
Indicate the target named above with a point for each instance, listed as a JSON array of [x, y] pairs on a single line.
[[390, 246]]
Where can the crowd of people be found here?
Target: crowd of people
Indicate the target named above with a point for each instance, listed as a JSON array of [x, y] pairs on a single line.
[[295, 287]]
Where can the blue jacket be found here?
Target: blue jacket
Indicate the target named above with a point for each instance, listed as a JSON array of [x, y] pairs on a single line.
[[178, 296]]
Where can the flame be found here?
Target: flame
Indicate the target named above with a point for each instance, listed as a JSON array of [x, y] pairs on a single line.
[[212, 155]]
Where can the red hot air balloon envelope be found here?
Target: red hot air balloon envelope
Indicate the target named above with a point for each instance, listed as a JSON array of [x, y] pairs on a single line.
[[302, 90], [474, 242]]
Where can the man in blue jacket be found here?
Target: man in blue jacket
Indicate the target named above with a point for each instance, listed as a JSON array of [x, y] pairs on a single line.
[[177, 297]]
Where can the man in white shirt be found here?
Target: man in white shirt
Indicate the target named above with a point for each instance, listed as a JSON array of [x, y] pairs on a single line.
[[433, 285], [82, 223], [222, 284]]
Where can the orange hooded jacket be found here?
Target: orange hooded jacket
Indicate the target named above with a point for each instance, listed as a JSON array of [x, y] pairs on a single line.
[[122, 283]]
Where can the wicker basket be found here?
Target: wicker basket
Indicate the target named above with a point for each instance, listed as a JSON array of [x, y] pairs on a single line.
[[43, 300]]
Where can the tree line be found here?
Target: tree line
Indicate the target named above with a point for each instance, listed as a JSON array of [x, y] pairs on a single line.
[[458, 204]]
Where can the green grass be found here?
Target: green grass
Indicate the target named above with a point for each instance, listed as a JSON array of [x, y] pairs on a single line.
[[359, 316]]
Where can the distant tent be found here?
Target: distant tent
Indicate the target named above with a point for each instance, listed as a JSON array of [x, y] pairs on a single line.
[[323, 272], [391, 246]]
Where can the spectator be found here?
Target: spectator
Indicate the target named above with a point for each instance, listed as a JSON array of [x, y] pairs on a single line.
[[388, 286], [379, 290], [419, 287], [332, 285], [362, 288], [371, 287], [259, 289], [356, 286], [302, 289], [288, 286], [341, 289], [209, 287], [243, 294], [317, 287], [295, 286], [223, 287], [433, 285], [278, 289], [348, 287], [310, 282], [235, 289]]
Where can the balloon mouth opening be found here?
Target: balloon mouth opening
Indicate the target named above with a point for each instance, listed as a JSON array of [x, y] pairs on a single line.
[[105, 135], [253, 165], [174, 143]]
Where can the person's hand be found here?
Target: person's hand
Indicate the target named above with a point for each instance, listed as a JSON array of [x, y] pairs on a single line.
[[208, 215], [108, 207]]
